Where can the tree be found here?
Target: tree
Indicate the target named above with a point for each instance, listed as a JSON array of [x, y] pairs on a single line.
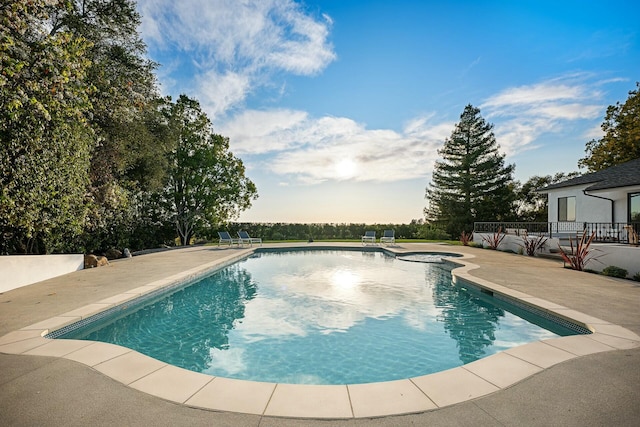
[[127, 209], [532, 206], [471, 182], [46, 141], [207, 183], [125, 88], [621, 140]]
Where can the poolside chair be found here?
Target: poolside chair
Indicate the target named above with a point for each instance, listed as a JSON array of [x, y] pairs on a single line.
[[245, 238], [369, 237], [388, 237], [225, 237]]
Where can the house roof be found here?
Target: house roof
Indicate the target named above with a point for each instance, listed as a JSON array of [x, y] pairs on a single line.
[[622, 175]]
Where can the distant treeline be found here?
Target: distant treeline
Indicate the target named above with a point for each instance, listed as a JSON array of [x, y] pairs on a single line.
[[286, 231]]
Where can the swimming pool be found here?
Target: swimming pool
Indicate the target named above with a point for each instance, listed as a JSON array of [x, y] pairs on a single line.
[[322, 317]]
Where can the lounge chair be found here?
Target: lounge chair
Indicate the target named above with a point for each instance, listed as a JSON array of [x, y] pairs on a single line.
[[369, 237], [388, 237], [245, 238], [225, 237]]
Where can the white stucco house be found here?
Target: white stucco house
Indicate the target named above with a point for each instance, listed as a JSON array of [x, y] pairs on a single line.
[[606, 202]]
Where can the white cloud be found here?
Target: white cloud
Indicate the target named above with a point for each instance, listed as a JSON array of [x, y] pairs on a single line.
[[594, 132], [230, 48], [303, 149], [234, 45], [526, 112], [258, 132], [313, 150], [534, 95], [301, 47], [568, 111], [220, 92]]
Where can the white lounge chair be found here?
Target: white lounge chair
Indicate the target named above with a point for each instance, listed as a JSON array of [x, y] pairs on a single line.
[[225, 237], [245, 238], [369, 237], [388, 237]]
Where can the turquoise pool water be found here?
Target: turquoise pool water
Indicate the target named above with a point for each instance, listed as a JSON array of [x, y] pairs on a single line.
[[322, 317]]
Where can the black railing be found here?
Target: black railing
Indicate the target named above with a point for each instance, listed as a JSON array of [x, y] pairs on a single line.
[[605, 232]]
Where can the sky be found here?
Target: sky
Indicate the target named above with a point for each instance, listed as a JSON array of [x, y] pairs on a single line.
[[338, 107]]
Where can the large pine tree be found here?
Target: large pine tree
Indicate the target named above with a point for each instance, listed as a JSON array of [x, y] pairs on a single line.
[[471, 182]]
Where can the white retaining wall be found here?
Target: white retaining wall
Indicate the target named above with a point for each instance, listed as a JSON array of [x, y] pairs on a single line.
[[22, 270], [514, 243], [624, 256], [604, 254]]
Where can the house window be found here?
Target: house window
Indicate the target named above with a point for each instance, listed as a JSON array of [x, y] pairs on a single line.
[[634, 207], [567, 208]]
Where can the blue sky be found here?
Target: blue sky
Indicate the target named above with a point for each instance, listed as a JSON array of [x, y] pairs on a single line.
[[338, 108]]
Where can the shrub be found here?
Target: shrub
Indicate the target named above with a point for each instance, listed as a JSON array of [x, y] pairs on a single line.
[[466, 238], [531, 246], [581, 254], [636, 277], [431, 232], [614, 271], [494, 240]]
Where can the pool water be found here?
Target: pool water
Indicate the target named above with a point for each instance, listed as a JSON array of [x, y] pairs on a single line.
[[322, 317]]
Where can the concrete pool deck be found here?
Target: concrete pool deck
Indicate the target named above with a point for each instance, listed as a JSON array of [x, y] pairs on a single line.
[[586, 380]]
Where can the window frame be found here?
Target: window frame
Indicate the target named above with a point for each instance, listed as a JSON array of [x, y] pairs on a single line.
[[564, 208], [629, 197]]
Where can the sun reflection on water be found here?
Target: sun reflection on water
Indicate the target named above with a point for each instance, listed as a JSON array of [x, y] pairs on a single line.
[[345, 279]]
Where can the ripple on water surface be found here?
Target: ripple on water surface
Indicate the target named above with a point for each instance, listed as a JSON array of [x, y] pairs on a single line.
[[323, 317]]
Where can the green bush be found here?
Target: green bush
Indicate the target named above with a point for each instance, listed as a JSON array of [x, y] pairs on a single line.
[[614, 271], [636, 277], [430, 232]]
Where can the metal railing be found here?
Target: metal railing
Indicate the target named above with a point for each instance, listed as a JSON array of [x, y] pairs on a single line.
[[605, 232]]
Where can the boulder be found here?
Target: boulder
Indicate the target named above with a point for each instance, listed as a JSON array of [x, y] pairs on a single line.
[[113, 254], [91, 261]]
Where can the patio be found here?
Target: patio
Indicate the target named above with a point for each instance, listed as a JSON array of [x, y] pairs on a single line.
[[600, 389]]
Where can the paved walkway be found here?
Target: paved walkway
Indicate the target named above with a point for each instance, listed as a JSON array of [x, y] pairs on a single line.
[[594, 390]]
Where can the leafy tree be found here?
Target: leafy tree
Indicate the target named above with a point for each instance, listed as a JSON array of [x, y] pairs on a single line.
[[46, 141], [125, 88], [532, 206], [207, 183], [471, 182], [621, 141], [127, 211], [120, 70]]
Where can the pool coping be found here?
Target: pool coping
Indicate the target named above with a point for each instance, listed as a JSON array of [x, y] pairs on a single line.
[[411, 395]]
